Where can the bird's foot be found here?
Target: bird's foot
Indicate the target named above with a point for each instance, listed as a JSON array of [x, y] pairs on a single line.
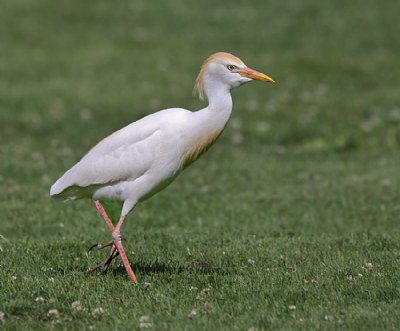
[[103, 267], [101, 245]]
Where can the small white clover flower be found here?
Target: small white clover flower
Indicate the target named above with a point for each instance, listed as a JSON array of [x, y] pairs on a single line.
[[76, 305], [206, 290], [251, 261], [98, 311], [208, 306], [369, 265], [53, 313], [192, 314], [144, 322]]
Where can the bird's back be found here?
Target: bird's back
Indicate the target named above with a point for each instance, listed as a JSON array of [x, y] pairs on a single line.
[[124, 155]]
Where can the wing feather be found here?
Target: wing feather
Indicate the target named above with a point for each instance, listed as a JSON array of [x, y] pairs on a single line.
[[124, 155]]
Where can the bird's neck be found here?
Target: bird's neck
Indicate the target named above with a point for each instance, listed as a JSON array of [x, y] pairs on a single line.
[[207, 126], [219, 103]]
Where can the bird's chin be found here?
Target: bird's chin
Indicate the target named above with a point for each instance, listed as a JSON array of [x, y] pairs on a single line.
[[244, 80]]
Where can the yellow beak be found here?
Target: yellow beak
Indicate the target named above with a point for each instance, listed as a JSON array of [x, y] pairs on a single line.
[[253, 74]]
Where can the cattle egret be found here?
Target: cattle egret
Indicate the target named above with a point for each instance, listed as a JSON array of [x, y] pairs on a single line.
[[141, 159]]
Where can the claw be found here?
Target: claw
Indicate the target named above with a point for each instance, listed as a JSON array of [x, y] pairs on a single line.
[[101, 245], [106, 263]]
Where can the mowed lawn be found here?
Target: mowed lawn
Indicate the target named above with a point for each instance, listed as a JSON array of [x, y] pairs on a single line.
[[290, 222]]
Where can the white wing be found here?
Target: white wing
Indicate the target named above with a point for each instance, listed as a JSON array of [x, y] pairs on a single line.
[[124, 155]]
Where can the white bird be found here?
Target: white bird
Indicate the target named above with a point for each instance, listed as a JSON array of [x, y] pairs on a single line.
[[141, 159]]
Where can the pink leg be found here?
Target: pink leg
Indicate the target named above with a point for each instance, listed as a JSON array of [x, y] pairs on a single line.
[[114, 252], [103, 213], [116, 236]]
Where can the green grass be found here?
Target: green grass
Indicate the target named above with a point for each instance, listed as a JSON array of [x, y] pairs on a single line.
[[290, 222]]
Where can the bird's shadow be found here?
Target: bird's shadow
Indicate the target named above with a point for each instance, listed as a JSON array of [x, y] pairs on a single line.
[[202, 267], [197, 266]]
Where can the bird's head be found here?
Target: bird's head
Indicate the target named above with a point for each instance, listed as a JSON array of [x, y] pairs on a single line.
[[224, 70]]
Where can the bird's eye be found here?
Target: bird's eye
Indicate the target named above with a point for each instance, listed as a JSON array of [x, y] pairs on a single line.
[[230, 67]]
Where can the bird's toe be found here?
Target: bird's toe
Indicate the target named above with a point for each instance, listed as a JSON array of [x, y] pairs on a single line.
[[101, 245]]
